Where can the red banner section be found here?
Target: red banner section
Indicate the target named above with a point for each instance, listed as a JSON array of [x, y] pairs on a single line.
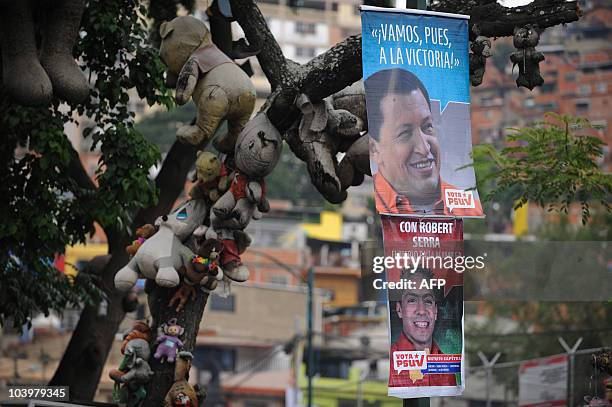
[[425, 294]]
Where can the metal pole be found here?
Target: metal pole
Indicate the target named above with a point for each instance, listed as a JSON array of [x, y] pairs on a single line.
[[424, 401], [310, 351], [571, 352], [297, 362], [420, 402], [488, 364]]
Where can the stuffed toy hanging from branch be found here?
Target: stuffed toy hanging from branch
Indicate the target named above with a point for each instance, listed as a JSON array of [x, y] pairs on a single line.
[[219, 88]]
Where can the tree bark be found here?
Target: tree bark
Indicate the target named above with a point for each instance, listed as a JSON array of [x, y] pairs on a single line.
[[189, 318], [271, 58], [84, 358], [495, 20]]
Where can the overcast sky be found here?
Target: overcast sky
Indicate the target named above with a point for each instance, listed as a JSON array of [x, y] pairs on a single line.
[[507, 3], [514, 3]]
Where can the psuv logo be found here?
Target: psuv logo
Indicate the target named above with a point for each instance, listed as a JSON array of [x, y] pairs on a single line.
[[457, 198], [409, 360]]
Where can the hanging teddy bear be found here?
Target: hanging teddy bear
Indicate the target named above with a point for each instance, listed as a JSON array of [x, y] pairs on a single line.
[[203, 270], [480, 47], [206, 270], [324, 129], [33, 76], [257, 152], [211, 177], [168, 341], [163, 254], [527, 57], [142, 234], [219, 88], [234, 244]]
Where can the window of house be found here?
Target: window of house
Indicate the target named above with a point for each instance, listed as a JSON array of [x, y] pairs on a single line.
[[582, 105], [223, 359], [313, 4], [278, 279], [305, 52], [222, 304], [601, 87], [305, 28], [584, 89], [548, 87]]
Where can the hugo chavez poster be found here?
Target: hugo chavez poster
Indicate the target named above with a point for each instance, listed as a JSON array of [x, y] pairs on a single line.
[[416, 77]]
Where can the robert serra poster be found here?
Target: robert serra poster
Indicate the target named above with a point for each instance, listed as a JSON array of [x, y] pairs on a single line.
[[425, 309]]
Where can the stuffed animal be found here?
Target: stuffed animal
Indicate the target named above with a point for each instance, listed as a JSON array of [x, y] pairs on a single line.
[[355, 163], [141, 330], [142, 233], [211, 177], [182, 393], [206, 270], [163, 254], [168, 341], [257, 152], [234, 243], [324, 129], [480, 48], [219, 88], [526, 56], [32, 76], [202, 269], [133, 374]]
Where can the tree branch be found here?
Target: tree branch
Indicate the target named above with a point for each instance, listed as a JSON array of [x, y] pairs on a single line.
[[271, 57], [495, 20], [333, 70], [77, 172], [170, 181]]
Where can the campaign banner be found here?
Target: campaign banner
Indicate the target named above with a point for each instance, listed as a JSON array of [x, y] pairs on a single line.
[[543, 382], [416, 77], [423, 264]]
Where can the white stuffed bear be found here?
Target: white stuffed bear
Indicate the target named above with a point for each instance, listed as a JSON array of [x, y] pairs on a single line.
[[163, 254]]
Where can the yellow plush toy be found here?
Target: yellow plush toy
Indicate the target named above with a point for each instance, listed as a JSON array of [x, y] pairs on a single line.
[[211, 177], [219, 88]]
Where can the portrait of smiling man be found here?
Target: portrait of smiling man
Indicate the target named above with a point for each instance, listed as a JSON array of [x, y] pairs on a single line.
[[405, 147], [418, 311]]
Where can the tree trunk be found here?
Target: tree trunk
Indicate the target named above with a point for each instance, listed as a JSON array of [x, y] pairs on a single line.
[[84, 358], [189, 318]]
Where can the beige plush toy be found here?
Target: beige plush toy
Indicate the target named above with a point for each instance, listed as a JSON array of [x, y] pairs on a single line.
[[211, 177], [32, 76], [219, 88]]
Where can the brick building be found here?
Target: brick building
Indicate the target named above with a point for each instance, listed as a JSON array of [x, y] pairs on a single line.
[[577, 74]]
